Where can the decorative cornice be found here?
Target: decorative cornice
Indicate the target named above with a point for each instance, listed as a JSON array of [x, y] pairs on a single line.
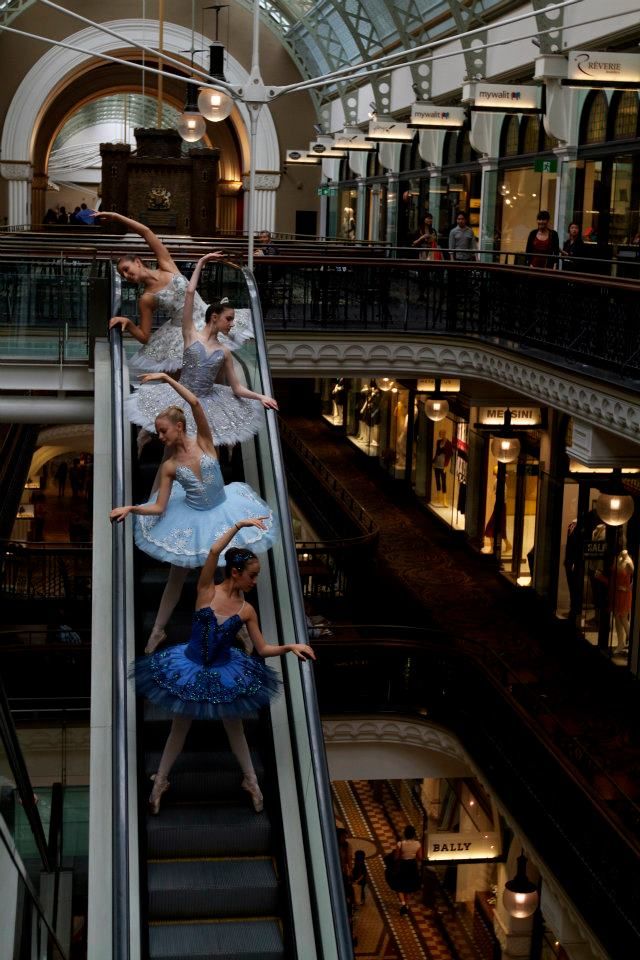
[[16, 171], [264, 181], [428, 736], [361, 354]]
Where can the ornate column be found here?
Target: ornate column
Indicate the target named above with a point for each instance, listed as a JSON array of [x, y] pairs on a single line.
[[264, 216], [488, 205], [38, 197], [19, 174]]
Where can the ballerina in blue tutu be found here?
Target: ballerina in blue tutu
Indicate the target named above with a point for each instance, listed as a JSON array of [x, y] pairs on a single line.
[[234, 412], [208, 677], [192, 507]]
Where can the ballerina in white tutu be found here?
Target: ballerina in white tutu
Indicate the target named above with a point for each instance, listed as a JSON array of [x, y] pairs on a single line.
[[164, 291], [234, 412], [192, 507]]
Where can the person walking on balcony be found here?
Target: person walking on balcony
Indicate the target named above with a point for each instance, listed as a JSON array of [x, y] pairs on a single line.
[[462, 241], [406, 877], [543, 244], [164, 290], [209, 677], [192, 505], [234, 412]]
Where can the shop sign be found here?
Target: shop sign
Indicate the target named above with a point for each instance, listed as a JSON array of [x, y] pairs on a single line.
[[520, 416], [428, 116], [428, 385], [389, 131], [301, 156], [351, 138], [545, 166], [326, 149], [449, 847], [505, 97], [591, 69], [596, 548]]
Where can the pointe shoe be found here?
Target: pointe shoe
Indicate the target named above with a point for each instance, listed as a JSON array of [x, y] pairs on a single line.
[[160, 786], [250, 784], [156, 637]]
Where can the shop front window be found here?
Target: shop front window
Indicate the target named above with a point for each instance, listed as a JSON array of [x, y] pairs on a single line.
[[347, 211], [512, 523], [597, 582], [521, 194], [440, 460], [363, 416], [394, 427], [333, 401]]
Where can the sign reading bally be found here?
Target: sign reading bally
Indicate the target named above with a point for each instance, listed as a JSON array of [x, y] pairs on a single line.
[[463, 846], [505, 97]]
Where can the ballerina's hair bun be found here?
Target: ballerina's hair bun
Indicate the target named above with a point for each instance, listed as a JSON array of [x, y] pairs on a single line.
[[174, 414], [216, 308], [236, 559]]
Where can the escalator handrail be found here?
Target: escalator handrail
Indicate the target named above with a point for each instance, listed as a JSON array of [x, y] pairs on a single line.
[[342, 931], [121, 918]]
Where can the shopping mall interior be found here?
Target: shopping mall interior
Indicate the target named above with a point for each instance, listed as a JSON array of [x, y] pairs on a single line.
[[398, 246]]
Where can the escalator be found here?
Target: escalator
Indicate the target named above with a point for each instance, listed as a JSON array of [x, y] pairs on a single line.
[[208, 877]]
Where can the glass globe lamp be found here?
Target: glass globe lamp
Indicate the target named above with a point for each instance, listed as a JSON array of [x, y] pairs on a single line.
[[385, 383], [436, 408], [505, 449], [520, 896], [614, 509], [215, 105], [191, 126]]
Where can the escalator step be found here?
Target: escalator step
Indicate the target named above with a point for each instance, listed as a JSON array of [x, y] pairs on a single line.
[[213, 776], [212, 888], [208, 831], [235, 940]]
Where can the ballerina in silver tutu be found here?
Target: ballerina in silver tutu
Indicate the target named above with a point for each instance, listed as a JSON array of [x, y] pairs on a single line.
[[234, 412], [164, 291]]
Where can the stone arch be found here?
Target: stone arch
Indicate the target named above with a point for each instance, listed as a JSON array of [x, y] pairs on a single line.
[[58, 66]]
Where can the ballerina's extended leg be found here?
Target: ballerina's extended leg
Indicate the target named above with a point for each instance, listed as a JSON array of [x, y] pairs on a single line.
[[170, 597], [240, 750], [172, 750]]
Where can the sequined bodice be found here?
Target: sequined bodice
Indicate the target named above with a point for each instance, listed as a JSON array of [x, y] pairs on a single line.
[[210, 641], [170, 301], [205, 493], [199, 368]]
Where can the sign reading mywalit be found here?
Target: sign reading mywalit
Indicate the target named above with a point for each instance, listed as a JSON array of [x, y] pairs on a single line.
[[588, 68]]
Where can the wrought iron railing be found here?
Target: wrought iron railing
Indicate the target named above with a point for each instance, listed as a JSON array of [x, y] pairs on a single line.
[[45, 571]]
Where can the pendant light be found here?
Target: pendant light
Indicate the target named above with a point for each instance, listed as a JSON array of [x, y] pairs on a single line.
[[191, 126], [505, 447], [520, 896], [615, 507], [215, 104], [436, 407]]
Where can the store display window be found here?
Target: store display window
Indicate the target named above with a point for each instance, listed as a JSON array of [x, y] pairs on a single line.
[[394, 426], [333, 401], [362, 419], [512, 524], [440, 462], [598, 562]]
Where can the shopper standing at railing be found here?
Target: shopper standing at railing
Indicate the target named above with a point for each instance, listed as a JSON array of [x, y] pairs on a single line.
[[462, 241], [543, 244], [574, 249]]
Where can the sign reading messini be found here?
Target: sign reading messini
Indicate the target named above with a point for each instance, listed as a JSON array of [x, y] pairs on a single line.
[[449, 847], [504, 98], [589, 69], [520, 416], [428, 116]]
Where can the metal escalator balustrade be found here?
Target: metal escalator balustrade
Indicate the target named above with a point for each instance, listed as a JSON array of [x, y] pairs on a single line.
[[189, 868]]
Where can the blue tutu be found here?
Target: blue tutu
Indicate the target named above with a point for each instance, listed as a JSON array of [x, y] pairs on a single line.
[[207, 678], [199, 511]]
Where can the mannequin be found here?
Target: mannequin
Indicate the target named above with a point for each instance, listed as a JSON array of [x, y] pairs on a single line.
[[621, 595], [337, 400], [370, 415], [441, 459], [489, 530], [348, 224], [572, 555]]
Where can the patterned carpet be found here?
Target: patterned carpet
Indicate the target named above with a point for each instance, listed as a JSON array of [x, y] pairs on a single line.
[[442, 579], [377, 812]]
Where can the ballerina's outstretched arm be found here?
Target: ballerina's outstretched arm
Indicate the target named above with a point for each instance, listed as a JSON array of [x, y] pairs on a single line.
[[188, 328], [157, 247], [167, 476], [204, 436], [239, 389]]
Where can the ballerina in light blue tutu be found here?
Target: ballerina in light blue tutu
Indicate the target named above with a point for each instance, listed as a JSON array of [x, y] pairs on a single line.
[[208, 677], [192, 507]]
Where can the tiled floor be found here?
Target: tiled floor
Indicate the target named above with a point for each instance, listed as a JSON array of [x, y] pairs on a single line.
[[377, 812]]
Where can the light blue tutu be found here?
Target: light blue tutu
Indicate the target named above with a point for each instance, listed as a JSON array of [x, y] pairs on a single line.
[[199, 511], [207, 678]]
